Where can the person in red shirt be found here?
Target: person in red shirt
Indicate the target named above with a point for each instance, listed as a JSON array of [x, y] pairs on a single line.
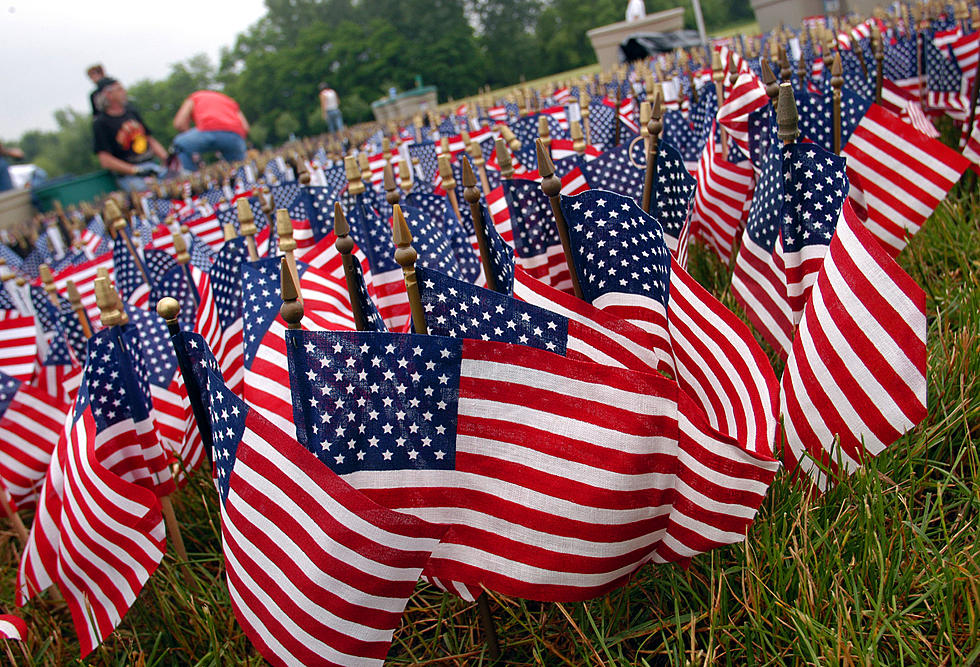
[[219, 125]]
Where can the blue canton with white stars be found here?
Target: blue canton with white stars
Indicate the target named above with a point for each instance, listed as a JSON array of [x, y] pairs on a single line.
[[375, 401], [154, 355], [202, 256], [128, 275], [9, 386], [616, 246], [942, 74], [114, 382], [428, 165], [501, 255], [531, 217], [72, 328], [460, 310], [226, 280], [900, 59], [261, 300], [458, 233], [815, 187], [228, 413], [57, 353]]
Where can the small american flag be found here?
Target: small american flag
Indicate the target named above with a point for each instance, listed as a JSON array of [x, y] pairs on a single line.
[[317, 572], [855, 380], [101, 489], [30, 424], [12, 627], [898, 176]]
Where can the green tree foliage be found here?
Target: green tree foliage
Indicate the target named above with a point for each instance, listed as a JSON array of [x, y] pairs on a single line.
[[361, 48]]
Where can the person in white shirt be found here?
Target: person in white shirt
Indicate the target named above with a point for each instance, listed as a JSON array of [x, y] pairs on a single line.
[[330, 106]]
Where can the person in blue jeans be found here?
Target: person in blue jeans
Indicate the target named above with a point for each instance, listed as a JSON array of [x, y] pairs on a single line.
[[330, 106], [219, 126]]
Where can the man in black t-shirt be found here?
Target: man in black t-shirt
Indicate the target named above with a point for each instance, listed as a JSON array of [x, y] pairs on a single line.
[[123, 143]]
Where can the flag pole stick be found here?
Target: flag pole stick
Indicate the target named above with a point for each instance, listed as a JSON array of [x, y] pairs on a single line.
[[471, 193], [246, 225], [48, 281], [584, 103], [75, 298], [287, 244], [476, 157], [616, 134], [551, 185], [879, 55], [836, 81], [345, 246], [183, 259], [489, 628], [449, 182], [169, 309], [7, 505], [718, 76], [654, 126], [110, 306], [115, 218], [406, 255]]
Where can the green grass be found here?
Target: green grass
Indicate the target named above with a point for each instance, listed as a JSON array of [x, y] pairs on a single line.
[[882, 570]]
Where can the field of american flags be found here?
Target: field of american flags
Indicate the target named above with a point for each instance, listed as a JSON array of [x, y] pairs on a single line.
[[884, 567]]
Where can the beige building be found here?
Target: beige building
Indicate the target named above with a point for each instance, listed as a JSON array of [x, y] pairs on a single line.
[[790, 13]]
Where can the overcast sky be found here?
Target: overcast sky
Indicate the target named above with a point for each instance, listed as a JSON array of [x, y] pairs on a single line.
[[46, 46]]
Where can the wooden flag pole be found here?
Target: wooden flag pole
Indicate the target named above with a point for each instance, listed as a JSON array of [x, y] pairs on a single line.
[[584, 103], [184, 260], [802, 66], [551, 185], [771, 84], [618, 128], [503, 159], [246, 225], [292, 306], [449, 183], [48, 281], [471, 193], [836, 81], [75, 299], [718, 76], [392, 196], [169, 309], [405, 255], [15, 519], [476, 157], [345, 246], [114, 217], [644, 119], [878, 50], [405, 176], [654, 126], [287, 244]]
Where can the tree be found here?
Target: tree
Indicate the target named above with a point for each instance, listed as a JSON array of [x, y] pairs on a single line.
[[508, 41]]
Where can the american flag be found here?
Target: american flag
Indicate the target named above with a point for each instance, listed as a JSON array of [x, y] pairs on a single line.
[[317, 572], [946, 37], [295, 199], [461, 235], [18, 347], [428, 167], [718, 362], [794, 210], [72, 328], [622, 170], [12, 627], [602, 122], [130, 274], [220, 317], [326, 305], [98, 534], [906, 106], [721, 201], [971, 149], [535, 235], [202, 255], [944, 82], [30, 424], [52, 345], [746, 96], [901, 64], [966, 51], [84, 275], [816, 113], [456, 438], [898, 176], [856, 378], [157, 207]]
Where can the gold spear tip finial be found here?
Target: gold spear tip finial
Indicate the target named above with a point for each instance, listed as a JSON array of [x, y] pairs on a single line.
[[768, 77], [244, 210], [546, 167], [787, 118], [291, 308], [400, 231], [106, 301], [836, 69], [229, 230], [180, 248], [469, 178], [168, 308], [112, 212], [389, 177], [340, 226], [45, 272], [284, 228], [74, 296]]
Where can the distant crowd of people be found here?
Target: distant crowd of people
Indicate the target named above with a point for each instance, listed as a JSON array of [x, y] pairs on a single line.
[[208, 121]]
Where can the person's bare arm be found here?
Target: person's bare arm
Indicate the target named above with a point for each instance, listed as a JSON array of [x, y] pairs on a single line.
[[112, 163], [11, 151], [244, 121], [182, 121], [158, 149]]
